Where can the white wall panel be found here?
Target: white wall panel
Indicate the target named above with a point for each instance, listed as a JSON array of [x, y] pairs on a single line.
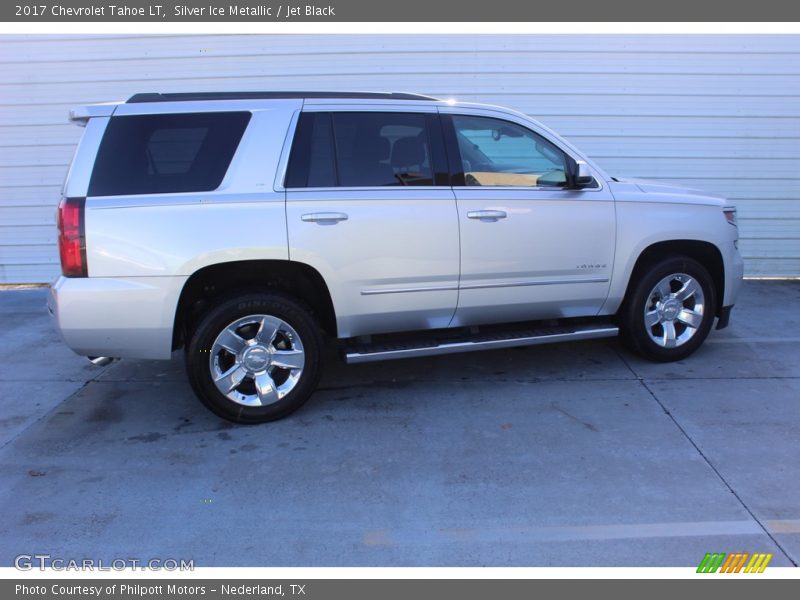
[[721, 113]]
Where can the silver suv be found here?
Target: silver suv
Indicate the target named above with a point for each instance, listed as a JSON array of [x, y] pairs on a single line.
[[244, 227]]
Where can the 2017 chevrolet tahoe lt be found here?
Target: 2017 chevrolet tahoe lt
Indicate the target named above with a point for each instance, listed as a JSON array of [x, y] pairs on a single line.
[[244, 227]]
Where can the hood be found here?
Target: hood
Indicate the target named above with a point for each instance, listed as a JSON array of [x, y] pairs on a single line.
[[665, 192], [650, 186]]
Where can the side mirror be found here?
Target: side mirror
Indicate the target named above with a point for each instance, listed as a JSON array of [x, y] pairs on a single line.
[[581, 175]]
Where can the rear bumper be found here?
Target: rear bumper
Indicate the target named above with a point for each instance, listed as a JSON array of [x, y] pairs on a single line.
[[116, 317]]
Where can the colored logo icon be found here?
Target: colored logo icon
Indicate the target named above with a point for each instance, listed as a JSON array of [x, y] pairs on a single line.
[[737, 562]]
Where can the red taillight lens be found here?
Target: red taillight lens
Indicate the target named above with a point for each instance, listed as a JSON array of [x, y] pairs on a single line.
[[71, 237]]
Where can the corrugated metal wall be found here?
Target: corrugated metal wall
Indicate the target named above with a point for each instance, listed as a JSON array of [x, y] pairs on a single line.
[[716, 112]]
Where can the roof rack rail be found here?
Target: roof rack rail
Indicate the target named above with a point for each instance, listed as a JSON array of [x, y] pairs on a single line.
[[195, 96]]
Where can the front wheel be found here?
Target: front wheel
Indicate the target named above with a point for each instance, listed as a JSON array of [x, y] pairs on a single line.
[[670, 310], [255, 358]]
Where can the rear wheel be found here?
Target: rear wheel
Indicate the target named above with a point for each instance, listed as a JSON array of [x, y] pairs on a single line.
[[255, 358], [670, 310]]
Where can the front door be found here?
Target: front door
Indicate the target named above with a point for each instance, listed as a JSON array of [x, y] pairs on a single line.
[[530, 247]]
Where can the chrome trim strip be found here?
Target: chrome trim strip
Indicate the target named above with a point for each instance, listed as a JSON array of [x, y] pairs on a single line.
[[370, 188], [567, 193], [585, 333], [482, 286], [437, 288]]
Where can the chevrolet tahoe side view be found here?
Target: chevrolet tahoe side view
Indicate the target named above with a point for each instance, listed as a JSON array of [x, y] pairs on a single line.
[[246, 228]]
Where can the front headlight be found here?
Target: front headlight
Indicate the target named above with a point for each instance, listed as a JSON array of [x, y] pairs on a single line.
[[730, 215]]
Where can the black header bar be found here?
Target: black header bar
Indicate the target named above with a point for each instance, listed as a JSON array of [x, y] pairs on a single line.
[[205, 11]]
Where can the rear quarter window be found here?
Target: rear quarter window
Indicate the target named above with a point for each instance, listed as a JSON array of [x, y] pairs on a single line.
[[168, 153]]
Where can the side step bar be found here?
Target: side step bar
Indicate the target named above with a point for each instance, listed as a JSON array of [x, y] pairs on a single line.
[[529, 337]]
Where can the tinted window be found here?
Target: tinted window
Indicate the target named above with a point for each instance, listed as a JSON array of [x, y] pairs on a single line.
[[312, 162], [501, 153], [351, 149], [152, 154]]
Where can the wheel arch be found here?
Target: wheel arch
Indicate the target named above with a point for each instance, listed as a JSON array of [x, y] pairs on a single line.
[[706, 253], [212, 282]]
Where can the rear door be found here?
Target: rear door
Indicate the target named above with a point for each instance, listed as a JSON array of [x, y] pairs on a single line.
[[530, 247], [369, 206]]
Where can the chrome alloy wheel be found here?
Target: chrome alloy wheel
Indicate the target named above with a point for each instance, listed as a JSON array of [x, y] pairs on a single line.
[[257, 360], [674, 310]]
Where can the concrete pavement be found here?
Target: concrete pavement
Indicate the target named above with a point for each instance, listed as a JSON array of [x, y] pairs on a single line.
[[575, 454]]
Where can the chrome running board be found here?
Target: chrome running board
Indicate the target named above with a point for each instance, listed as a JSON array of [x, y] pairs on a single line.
[[529, 337]]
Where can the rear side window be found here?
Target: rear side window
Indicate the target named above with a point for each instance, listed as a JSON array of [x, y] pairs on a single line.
[[168, 153], [352, 149]]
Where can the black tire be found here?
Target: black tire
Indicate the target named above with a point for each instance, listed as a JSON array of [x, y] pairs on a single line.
[[229, 311], [632, 315]]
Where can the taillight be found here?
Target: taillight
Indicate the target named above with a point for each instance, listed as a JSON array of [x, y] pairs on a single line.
[[72, 237]]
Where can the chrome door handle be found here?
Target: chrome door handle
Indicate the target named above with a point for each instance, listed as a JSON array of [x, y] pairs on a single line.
[[325, 217], [487, 215]]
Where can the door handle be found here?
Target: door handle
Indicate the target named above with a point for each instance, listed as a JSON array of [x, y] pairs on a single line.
[[487, 215], [326, 217]]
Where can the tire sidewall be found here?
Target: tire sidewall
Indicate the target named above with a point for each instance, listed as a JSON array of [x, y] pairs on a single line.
[[634, 331], [226, 312]]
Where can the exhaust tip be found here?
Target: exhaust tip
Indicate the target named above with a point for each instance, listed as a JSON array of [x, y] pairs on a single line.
[[100, 361]]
